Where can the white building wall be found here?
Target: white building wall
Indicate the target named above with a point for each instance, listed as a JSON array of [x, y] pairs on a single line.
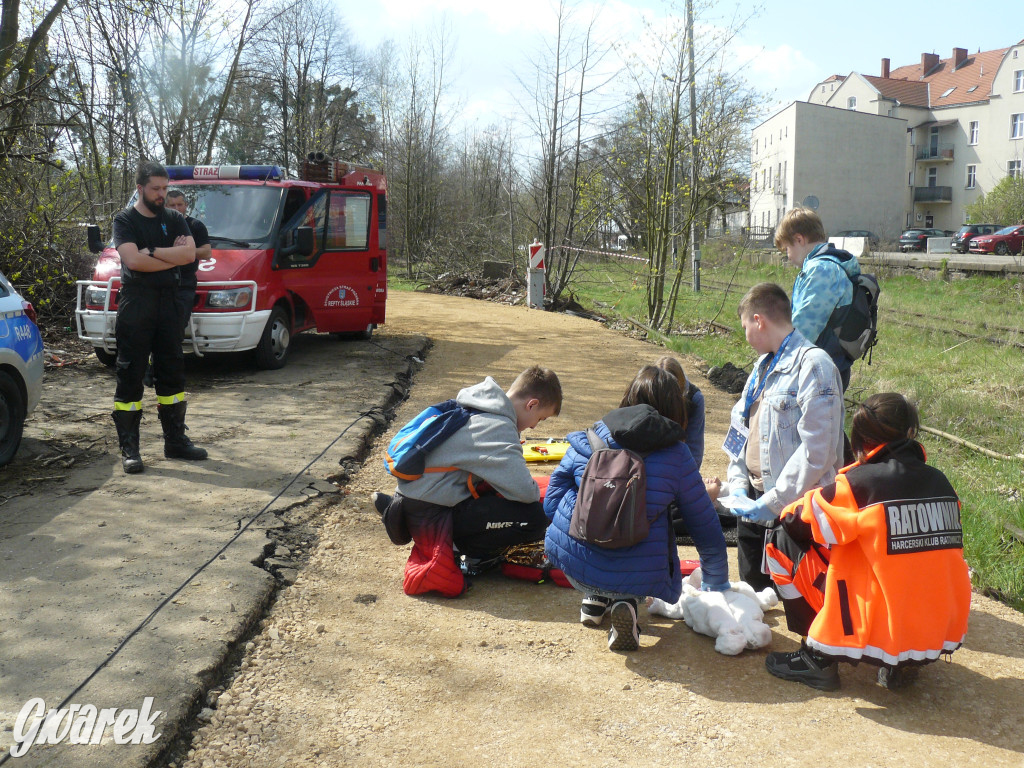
[[997, 148], [865, 95], [852, 162]]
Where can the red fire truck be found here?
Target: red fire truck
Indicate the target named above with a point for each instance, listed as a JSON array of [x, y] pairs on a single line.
[[289, 255]]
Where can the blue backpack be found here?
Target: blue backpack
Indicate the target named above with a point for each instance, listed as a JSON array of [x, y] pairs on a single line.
[[406, 456]]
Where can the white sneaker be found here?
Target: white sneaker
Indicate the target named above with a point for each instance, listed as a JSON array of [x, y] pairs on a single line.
[[593, 609], [625, 632]]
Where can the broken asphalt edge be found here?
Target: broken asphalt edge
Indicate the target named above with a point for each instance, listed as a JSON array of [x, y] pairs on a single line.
[[180, 715]]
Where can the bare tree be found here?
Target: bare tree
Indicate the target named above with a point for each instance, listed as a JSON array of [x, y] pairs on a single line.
[[564, 85], [22, 77]]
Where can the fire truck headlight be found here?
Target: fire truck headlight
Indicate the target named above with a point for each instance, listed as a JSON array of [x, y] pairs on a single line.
[[235, 298], [95, 295]]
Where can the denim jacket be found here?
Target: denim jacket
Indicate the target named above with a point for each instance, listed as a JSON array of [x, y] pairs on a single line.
[[801, 425]]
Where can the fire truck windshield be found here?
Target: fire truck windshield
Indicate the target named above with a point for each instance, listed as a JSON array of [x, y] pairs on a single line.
[[241, 214]]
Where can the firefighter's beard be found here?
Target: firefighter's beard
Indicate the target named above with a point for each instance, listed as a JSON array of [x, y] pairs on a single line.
[[154, 207]]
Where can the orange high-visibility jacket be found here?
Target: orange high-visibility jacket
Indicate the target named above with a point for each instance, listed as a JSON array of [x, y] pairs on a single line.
[[897, 588]]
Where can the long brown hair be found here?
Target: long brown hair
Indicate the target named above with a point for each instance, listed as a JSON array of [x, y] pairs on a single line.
[[659, 389], [880, 419]]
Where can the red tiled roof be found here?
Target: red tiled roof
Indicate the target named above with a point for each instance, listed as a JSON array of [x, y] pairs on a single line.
[[978, 69], [914, 93]]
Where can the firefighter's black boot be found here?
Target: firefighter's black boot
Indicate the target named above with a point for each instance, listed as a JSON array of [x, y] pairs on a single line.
[[176, 444], [127, 423]]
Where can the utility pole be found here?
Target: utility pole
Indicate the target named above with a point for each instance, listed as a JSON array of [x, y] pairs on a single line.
[[694, 235], [674, 159]]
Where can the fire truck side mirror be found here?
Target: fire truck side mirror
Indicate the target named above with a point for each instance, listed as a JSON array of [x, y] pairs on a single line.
[[95, 238], [296, 242], [304, 240]]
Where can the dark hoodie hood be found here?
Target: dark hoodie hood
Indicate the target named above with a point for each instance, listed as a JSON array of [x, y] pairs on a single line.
[[641, 428]]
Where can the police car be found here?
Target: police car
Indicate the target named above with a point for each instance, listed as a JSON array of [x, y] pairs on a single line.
[[21, 367]]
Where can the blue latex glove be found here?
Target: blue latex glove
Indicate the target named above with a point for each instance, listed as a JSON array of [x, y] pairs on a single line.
[[737, 491], [714, 587], [759, 513]]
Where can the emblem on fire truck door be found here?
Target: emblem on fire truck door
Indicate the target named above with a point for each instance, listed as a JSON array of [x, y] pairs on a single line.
[[341, 296]]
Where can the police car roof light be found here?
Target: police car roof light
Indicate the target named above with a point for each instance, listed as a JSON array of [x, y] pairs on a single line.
[[210, 172]]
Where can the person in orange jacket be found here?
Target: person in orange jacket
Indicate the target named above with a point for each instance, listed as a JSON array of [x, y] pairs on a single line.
[[871, 567]]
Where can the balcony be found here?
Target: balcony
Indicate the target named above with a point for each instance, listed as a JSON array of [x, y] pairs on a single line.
[[943, 153], [933, 194]]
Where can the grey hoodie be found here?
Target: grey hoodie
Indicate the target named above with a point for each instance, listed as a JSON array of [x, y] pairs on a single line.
[[487, 448]]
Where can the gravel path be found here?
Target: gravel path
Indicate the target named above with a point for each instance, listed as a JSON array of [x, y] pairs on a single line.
[[345, 670]]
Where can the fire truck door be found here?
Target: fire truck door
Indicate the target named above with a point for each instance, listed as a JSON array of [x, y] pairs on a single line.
[[338, 280]]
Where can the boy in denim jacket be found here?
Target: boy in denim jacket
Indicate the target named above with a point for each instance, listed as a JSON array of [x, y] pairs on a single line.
[[786, 435]]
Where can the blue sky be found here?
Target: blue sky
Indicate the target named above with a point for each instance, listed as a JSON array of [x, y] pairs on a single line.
[[786, 47]]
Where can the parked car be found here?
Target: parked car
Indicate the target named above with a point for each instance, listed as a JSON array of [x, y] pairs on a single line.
[[1006, 240], [917, 239], [21, 367], [962, 239], [871, 236]]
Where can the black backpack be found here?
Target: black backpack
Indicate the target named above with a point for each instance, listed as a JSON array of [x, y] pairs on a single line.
[[856, 324], [611, 503]]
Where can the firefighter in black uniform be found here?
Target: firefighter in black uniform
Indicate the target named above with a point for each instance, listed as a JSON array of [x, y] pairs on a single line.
[[152, 242], [187, 280]]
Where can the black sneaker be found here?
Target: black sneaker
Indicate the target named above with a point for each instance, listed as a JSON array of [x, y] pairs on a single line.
[[474, 566], [895, 678], [381, 502], [593, 609], [625, 632], [391, 516], [804, 666]]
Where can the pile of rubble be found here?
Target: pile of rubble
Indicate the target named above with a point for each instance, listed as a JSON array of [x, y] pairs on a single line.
[[728, 377], [506, 290]]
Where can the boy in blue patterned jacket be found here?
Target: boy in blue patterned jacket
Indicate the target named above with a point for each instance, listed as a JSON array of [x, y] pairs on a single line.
[[825, 281]]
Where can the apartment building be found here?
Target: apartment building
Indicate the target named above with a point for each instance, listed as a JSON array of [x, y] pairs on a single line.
[[912, 146]]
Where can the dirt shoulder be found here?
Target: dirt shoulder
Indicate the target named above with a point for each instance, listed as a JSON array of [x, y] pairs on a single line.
[[347, 670], [87, 552]]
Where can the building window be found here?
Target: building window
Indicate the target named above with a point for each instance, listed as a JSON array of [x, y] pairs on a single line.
[[973, 132], [933, 177], [1018, 81], [1017, 126], [851, 103], [1013, 169], [947, 92], [972, 176]]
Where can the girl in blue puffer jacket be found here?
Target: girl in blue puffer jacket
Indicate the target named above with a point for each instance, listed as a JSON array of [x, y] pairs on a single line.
[[651, 421]]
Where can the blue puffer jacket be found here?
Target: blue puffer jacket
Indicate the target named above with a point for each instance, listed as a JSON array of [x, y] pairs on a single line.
[[652, 566], [695, 425]]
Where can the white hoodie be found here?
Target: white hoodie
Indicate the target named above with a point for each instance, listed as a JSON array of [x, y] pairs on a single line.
[[487, 448]]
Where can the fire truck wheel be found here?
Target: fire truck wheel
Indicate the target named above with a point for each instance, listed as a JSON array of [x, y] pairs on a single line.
[[272, 351], [109, 359], [12, 417]]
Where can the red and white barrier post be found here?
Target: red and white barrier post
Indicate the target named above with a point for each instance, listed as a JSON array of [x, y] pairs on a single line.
[[535, 281]]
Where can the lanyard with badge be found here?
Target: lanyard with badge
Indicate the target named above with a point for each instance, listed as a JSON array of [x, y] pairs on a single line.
[[739, 429]]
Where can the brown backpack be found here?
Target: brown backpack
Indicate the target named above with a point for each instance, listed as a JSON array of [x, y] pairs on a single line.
[[611, 503]]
